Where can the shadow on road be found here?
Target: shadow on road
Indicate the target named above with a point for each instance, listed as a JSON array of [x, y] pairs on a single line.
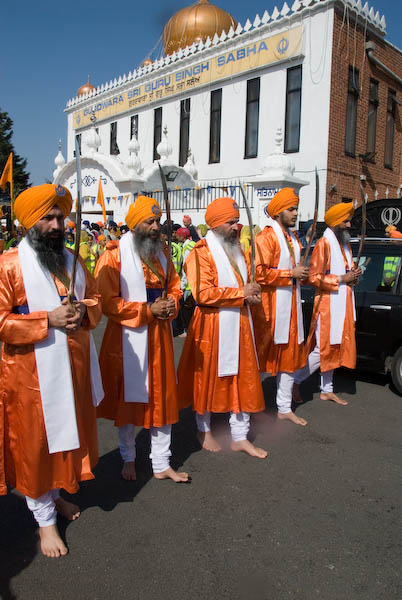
[[18, 541]]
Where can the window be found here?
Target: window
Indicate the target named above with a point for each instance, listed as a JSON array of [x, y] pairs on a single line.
[[351, 111], [379, 273], [372, 121], [78, 138], [390, 130], [252, 116], [184, 131], [134, 127], [293, 109], [215, 127], [157, 131], [114, 149]]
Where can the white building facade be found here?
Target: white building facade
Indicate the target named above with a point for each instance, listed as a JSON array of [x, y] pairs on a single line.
[[251, 106]]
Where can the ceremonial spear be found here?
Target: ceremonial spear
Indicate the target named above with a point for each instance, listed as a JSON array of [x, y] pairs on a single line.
[[77, 222], [169, 229], [314, 225], [252, 243], [364, 225]]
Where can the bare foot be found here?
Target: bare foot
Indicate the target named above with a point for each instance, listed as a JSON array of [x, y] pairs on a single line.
[[334, 398], [290, 416], [207, 441], [249, 448], [51, 543], [67, 509], [172, 474], [296, 397], [128, 471]]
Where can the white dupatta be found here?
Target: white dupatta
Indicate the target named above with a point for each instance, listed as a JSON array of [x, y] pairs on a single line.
[[338, 298], [52, 355], [229, 318], [134, 341], [284, 294]]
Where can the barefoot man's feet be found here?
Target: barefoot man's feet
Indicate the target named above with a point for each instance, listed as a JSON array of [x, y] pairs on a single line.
[[296, 397], [290, 416], [207, 441], [68, 510], [172, 474], [249, 448], [334, 398], [51, 543], [128, 471]]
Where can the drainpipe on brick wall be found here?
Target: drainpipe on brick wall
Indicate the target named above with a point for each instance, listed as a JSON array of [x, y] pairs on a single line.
[[370, 48]]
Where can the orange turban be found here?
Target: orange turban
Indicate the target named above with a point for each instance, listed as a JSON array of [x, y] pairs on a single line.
[[221, 211], [36, 202], [282, 200], [339, 213], [395, 234], [143, 208]]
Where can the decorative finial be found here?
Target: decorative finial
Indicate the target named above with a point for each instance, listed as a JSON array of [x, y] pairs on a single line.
[[165, 131]]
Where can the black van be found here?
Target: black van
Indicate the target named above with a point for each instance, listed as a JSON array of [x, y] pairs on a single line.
[[378, 306]]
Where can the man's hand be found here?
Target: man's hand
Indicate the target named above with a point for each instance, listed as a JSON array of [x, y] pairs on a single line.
[[300, 272], [74, 322], [352, 276], [59, 316], [163, 308], [252, 293]]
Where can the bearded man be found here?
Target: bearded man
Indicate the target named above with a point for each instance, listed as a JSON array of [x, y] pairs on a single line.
[[218, 370], [50, 379], [136, 358], [331, 341], [279, 324]]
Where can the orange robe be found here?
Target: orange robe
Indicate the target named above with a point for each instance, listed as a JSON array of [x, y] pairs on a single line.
[[25, 462], [340, 355], [198, 368], [274, 358], [163, 408]]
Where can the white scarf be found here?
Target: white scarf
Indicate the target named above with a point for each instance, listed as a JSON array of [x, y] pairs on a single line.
[[52, 356], [134, 341], [284, 294], [338, 299], [229, 318]]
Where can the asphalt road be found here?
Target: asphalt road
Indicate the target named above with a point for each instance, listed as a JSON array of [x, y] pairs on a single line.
[[320, 518]]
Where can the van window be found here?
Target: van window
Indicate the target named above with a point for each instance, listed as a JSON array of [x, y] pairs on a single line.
[[380, 273]]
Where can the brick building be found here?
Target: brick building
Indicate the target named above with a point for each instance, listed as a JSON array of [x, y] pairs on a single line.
[[264, 102]]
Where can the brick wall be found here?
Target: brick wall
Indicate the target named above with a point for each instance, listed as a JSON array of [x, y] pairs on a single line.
[[344, 171]]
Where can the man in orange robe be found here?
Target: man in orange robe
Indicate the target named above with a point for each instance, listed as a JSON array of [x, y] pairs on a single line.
[[218, 370], [331, 341], [136, 358], [48, 436], [279, 322]]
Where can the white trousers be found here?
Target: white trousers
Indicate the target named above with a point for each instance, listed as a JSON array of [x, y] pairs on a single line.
[[313, 363], [44, 508], [239, 424], [284, 391], [160, 446]]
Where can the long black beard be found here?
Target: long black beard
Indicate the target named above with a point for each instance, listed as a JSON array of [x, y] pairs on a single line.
[[49, 250], [147, 247], [343, 236]]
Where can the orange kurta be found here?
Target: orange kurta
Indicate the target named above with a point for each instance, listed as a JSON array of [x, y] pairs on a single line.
[[198, 369], [163, 408], [274, 358], [28, 466], [340, 355]]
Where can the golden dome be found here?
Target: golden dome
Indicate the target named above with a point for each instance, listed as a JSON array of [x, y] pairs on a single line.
[[195, 23], [86, 88]]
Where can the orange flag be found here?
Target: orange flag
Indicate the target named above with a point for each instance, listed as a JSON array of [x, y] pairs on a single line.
[[1, 212], [101, 200], [7, 175]]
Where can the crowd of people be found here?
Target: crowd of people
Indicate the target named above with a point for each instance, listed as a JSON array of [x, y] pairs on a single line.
[[239, 326]]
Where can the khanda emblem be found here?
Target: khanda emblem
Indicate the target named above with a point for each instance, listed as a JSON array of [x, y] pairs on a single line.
[[156, 210], [60, 190], [283, 45]]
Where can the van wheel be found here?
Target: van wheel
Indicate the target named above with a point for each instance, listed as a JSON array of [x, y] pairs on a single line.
[[396, 370]]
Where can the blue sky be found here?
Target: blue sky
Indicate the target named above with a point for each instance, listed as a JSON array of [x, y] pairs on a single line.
[[49, 48]]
